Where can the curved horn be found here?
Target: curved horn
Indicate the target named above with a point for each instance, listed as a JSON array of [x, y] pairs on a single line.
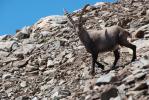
[[71, 21], [80, 18]]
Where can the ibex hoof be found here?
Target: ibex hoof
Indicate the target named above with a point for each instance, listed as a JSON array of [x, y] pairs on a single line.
[[102, 67], [133, 60], [113, 68], [92, 73]]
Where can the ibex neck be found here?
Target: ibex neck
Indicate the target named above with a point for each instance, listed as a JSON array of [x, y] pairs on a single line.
[[82, 33], [84, 36]]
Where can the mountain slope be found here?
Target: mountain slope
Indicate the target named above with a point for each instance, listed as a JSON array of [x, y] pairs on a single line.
[[47, 61]]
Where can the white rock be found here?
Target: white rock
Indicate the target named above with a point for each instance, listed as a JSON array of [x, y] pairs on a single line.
[[147, 12], [9, 45], [106, 78], [141, 43], [6, 76], [4, 37], [50, 63], [54, 95], [99, 4], [25, 49], [45, 87], [23, 84], [47, 72], [117, 98], [35, 98]]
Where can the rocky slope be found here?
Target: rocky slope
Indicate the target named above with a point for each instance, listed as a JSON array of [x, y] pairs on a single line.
[[46, 61]]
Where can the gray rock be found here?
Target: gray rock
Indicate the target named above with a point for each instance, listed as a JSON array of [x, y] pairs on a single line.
[[147, 12], [30, 68], [129, 79], [140, 34], [25, 49], [110, 77], [8, 46], [141, 43], [99, 4], [23, 84], [55, 21], [121, 90], [58, 19], [117, 98], [5, 37], [49, 72], [45, 87], [44, 99], [35, 98], [64, 92], [3, 54], [21, 63], [54, 96], [140, 86], [6, 76], [56, 45], [50, 63], [109, 93], [22, 98], [45, 33], [23, 34], [140, 75]]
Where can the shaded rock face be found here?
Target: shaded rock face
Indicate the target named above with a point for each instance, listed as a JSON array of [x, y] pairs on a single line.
[[112, 92], [46, 61]]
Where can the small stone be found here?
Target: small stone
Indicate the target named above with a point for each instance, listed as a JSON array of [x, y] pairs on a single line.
[[140, 34], [30, 68], [45, 87], [140, 75], [147, 82], [35, 98], [65, 92], [121, 89], [129, 79], [36, 72], [47, 72], [20, 64], [44, 99], [23, 84], [117, 98], [147, 12], [54, 95], [22, 98], [6, 76]]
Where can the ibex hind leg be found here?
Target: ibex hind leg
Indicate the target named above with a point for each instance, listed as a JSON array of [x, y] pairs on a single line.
[[100, 65], [131, 46]]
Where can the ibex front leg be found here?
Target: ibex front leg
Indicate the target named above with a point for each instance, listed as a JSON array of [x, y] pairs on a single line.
[[94, 60], [117, 56]]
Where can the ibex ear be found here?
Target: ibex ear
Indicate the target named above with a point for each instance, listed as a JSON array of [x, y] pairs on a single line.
[[69, 18]]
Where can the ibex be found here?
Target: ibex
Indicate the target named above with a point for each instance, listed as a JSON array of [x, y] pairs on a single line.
[[96, 41]]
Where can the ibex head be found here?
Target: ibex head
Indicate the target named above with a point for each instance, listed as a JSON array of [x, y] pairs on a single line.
[[76, 25]]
